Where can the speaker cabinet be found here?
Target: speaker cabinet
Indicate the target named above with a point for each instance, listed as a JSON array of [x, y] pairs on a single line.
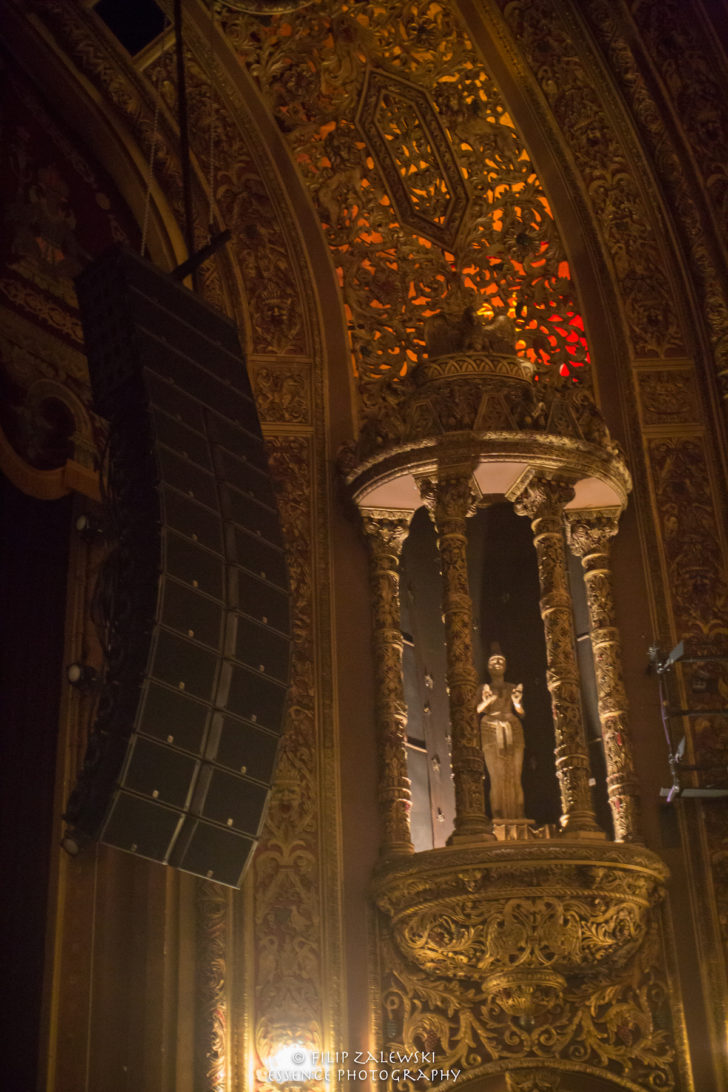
[[197, 622]]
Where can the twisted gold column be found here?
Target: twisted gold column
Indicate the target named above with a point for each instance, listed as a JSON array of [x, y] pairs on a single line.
[[588, 535], [385, 534], [542, 500], [450, 500]]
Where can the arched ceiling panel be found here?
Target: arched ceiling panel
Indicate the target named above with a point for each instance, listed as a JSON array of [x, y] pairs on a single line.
[[426, 193]]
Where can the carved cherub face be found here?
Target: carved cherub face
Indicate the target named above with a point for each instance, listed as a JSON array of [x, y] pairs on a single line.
[[497, 664]]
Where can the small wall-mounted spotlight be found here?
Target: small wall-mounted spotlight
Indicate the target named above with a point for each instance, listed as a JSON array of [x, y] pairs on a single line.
[[82, 676], [90, 527]]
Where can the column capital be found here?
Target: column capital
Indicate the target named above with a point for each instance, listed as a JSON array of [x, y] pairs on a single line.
[[449, 494], [538, 495], [589, 531], [386, 529]]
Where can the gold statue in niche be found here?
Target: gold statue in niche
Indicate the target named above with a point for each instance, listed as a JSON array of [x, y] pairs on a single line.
[[502, 739]]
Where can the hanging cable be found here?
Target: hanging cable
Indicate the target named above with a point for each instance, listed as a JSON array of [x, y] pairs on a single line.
[[211, 156], [152, 156], [184, 135]]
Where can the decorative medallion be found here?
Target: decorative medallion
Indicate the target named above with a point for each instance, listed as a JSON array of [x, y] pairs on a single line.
[[414, 154]]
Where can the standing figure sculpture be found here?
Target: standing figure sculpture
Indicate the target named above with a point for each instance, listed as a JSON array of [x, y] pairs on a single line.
[[502, 740]]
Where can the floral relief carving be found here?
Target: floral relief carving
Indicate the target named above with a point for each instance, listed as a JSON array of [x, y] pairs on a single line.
[[286, 866], [587, 998], [282, 392], [668, 396], [354, 69], [485, 393], [681, 55], [58, 211], [689, 66], [692, 545], [625, 222], [698, 576], [415, 157]]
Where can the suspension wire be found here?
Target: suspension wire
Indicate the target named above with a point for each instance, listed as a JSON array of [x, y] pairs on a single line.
[[184, 136], [211, 156], [152, 157]]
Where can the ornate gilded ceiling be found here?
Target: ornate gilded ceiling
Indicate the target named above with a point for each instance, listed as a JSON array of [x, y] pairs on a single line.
[[427, 195]]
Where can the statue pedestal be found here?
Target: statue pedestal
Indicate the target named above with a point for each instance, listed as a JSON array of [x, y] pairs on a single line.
[[522, 830]]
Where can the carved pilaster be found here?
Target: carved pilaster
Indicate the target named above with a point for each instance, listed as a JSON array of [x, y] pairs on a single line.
[[589, 535], [449, 501], [385, 533], [542, 500], [211, 1055]]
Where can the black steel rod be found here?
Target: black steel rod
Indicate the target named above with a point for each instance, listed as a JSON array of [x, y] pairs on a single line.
[[196, 260], [184, 136]]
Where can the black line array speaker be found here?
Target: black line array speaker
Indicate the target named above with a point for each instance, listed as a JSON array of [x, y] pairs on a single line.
[[193, 594]]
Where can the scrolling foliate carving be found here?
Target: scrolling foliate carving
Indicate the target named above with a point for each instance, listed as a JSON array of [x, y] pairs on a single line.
[[698, 577], [542, 500], [444, 152], [680, 52], [690, 67], [385, 534], [587, 997], [685, 59], [38, 372], [589, 535], [450, 498], [625, 221], [689, 523], [668, 396], [282, 392], [286, 880]]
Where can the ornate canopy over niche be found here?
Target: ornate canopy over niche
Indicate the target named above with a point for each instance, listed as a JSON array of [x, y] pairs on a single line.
[[481, 405], [535, 928], [426, 193]]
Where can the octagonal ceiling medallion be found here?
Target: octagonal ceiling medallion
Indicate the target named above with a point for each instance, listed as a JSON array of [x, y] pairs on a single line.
[[415, 157]]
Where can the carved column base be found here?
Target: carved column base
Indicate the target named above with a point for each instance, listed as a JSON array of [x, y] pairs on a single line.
[[583, 833], [477, 836]]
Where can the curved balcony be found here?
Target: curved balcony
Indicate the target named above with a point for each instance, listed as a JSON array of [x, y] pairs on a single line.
[[520, 918]]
